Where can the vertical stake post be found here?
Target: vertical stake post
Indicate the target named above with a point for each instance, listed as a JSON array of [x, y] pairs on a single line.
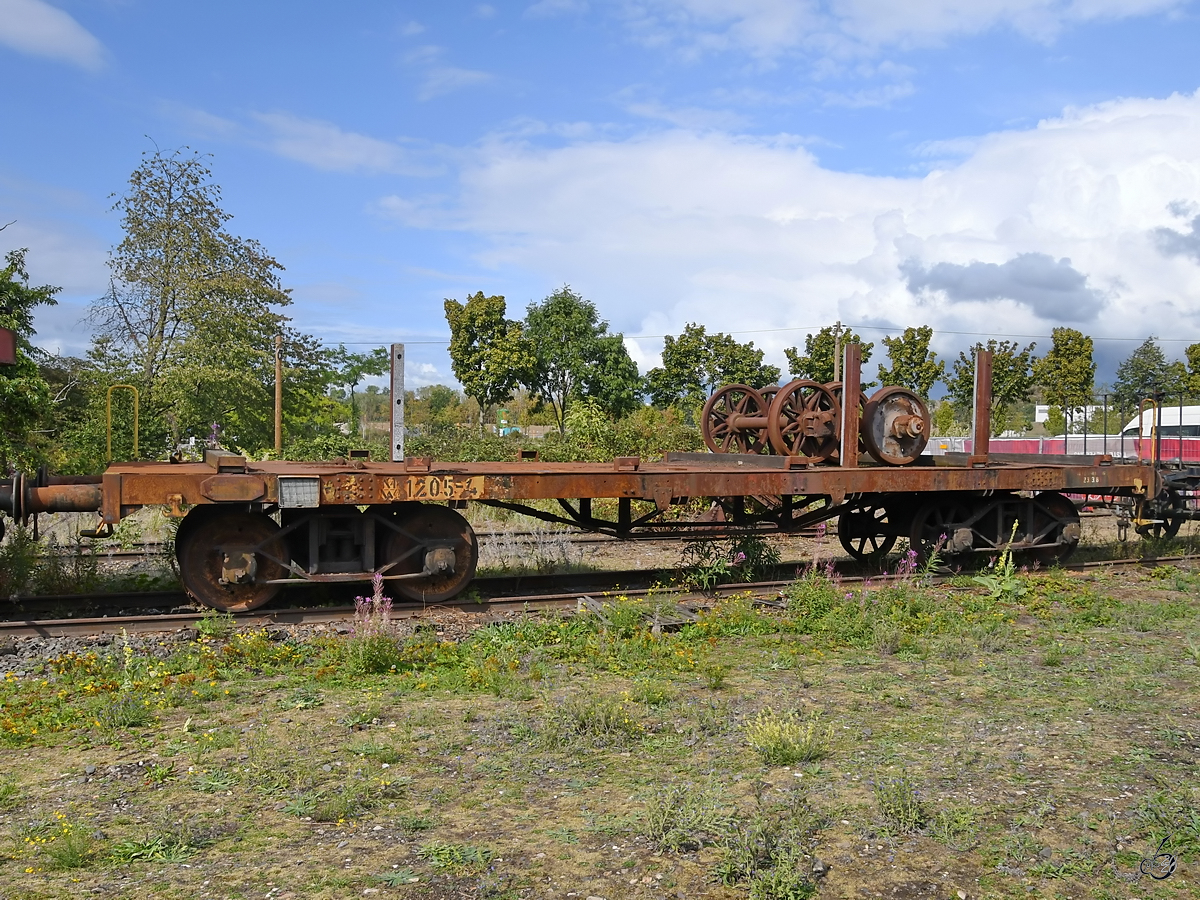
[[851, 388], [279, 395], [981, 433], [397, 403]]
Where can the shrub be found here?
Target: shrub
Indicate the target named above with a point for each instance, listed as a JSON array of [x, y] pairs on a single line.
[[125, 709], [900, 804], [69, 846], [685, 817], [602, 720], [459, 858], [786, 739], [771, 849]]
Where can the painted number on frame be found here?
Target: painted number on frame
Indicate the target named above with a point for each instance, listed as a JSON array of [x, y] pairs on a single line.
[[444, 487]]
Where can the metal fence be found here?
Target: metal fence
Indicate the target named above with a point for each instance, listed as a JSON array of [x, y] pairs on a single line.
[[1169, 433]]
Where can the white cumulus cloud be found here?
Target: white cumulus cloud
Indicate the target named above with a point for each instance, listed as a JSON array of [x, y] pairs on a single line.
[[39, 29], [1058, 224]]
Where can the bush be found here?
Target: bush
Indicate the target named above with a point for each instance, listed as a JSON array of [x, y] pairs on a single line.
[[783, 740], [686, 817], [374, 646], [900, 804]]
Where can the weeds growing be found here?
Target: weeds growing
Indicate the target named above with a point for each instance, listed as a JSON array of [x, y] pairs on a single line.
[[900, 803], [784, 739]]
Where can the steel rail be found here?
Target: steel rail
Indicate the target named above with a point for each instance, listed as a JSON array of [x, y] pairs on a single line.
[[567, 600]]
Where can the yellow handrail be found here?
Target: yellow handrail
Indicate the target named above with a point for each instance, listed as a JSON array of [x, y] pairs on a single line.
[[129, 387]]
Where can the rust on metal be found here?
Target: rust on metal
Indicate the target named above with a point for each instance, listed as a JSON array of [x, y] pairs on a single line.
[[851, 414], [232, 488], [8, 347], [981, 434]]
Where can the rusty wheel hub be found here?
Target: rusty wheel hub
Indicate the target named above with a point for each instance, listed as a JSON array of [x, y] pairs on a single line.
[[436, 544], [895, 426], [226, 556]]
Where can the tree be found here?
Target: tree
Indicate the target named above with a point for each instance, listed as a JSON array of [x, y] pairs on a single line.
[[1146, 371], [913, 364], [696, 363], [489, 353], [1192, 378], [25, 397], [1012, 381], [351, 368], [819, 351], [575, 356], [1067, 373], [191, 315], [613, 381]]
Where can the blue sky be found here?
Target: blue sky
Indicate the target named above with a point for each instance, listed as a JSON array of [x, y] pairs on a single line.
[[996, 167]]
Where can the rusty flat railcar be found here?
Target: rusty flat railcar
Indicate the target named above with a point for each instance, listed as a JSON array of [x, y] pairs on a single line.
[[249, 528]]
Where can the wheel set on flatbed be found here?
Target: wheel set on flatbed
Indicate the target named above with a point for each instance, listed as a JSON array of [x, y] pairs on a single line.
[[803, 419]]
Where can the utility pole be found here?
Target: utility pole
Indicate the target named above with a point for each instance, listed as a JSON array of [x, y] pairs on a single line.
[[837, 351], [279, 395]]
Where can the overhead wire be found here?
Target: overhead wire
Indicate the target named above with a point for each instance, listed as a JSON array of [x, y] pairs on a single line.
[[810, 329]]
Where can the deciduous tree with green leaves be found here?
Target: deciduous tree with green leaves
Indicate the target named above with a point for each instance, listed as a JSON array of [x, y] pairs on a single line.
[[912, 364], [489, 353], [1146, 371], [697, 363], [191, 315], [351, 368], [1012, 381], [25, 397], [1066, 374], [574, 356], [816, 363]]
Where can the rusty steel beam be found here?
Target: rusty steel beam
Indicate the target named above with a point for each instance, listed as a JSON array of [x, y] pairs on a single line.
[[230, 479], [370, 483], [851, 388], [981, 432]]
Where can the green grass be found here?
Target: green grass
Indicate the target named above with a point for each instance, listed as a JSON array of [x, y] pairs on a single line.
[[586, 752]]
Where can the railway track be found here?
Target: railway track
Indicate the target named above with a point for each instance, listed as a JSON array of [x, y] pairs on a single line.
[[628, 584], [155, 549]]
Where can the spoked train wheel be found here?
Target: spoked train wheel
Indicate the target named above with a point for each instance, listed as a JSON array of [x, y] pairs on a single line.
[[719, 422], [1055, 519], [226, 556], [435, 541], [835, 388], [803, 420], [940, 527], [1166, 525], [861, 533]]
